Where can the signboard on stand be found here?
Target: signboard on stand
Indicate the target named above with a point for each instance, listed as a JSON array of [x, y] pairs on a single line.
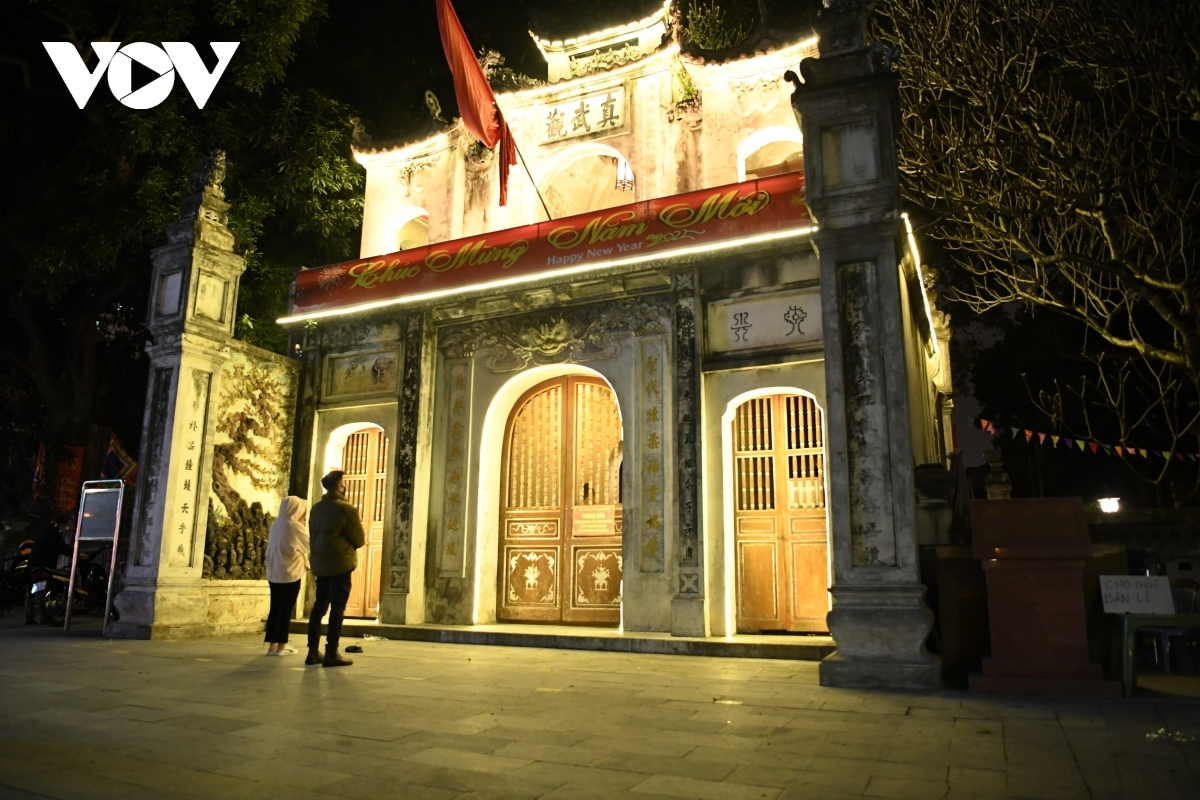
[[99, 520], [1137, 594]]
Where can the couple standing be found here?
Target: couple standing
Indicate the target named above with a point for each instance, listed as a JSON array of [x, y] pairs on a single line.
[[334, 533]]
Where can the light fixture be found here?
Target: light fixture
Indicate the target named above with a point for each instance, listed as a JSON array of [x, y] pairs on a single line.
[[1110, 505], [624, 175]]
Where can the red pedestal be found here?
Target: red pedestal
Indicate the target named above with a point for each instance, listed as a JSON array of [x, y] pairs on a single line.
[[1033, 551]]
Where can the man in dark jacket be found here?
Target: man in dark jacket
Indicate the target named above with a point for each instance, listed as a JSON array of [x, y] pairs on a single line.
[[335, 534]]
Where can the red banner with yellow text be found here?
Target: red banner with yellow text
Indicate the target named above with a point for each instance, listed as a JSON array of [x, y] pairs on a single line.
[[638, 230]]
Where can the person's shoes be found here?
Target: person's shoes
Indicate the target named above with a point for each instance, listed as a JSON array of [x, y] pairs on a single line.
[[285, 651], [336, 659], [314, 658]]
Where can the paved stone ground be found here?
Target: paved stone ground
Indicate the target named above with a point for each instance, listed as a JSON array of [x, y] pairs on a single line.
[[82, 717]]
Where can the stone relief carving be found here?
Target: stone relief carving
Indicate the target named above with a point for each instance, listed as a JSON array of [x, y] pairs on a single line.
[[252, 454], [872, 542], [579, 335], [687, 416], [405, 173], [605, 60], [337, 337], [406, 451], [153, 469]]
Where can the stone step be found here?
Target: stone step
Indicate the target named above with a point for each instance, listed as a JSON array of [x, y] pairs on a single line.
[[562, 637]]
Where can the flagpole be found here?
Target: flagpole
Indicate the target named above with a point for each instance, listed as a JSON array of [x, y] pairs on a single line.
[[525, 164]]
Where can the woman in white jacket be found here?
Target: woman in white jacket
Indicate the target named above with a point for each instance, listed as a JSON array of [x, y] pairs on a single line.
[[287, 561]]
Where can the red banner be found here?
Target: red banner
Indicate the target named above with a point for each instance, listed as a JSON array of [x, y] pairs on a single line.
[[67, 479], [638, 231]]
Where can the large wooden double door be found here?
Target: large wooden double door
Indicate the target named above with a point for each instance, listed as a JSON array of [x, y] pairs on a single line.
[[364, 460], [780, 537], [560, 554]]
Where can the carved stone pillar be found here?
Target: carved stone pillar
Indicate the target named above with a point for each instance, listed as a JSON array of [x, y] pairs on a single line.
[[402, 599], [192, 303], [687, 607], [847, 106]]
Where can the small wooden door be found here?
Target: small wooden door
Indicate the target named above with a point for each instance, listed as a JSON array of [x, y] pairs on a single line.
[[782, 551], [560, 554], [364, 460]]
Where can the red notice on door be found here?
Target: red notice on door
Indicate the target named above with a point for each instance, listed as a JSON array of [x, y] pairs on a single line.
[[593, 521]]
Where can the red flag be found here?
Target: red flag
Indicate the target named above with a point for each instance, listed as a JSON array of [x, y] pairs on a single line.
[[476, 102]]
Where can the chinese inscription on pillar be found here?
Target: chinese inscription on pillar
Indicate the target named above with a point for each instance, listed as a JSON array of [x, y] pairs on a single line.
[[454, 504], [653, 469], [687, 415], [872, 538], [187, 494]]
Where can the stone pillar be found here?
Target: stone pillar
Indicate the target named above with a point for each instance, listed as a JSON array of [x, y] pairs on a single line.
[[688, 617], [191, 317], [847, 106], [402, 599]]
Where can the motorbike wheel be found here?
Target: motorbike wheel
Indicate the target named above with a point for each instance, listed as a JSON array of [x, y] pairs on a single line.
[[56, 605]]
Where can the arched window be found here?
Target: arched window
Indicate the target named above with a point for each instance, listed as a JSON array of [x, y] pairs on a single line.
[[411, 228], [770, 151], [585, 178]]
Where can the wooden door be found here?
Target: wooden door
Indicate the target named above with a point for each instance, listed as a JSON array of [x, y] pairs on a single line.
[[780, 537], [364, 460], [560, 554]]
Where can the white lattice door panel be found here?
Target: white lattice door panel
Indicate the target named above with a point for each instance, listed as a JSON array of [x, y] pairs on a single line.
[[780, 536], [364, 460], [560, 526]]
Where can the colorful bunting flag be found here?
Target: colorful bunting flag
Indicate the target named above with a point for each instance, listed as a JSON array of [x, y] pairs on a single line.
[[1120, 450], [118, 463]]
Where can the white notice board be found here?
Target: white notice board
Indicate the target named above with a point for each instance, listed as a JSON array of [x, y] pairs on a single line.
[[1137, 594]]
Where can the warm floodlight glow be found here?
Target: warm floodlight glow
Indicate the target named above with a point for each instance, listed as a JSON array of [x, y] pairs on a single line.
[[912, 245], [1110, 505], [604, 34], [549, 275]]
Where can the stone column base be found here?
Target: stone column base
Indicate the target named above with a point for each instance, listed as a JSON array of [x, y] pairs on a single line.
[[189, 609], [880, 633], [688, 617]]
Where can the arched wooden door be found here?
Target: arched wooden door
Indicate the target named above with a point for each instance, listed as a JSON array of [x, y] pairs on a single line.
[[364, 460], [560, 522], [780, 535]]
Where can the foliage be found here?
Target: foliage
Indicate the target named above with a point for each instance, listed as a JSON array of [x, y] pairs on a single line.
[[92, 189], [712, 26], [1053, 148]]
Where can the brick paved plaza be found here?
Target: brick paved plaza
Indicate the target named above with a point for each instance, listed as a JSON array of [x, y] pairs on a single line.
[[82, 717]]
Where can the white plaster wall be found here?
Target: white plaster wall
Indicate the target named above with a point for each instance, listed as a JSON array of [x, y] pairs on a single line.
[[723, 391], [740, 98]]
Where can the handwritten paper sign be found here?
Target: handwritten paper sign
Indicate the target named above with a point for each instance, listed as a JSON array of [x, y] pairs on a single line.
[[1136, 594]]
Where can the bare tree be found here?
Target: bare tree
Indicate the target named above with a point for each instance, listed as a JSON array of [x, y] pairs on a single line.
[[1053, 146]]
